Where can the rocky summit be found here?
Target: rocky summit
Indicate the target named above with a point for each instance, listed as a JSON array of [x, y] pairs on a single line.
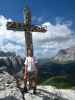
[[8, 88]]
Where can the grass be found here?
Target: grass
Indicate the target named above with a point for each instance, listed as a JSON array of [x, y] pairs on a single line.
[[58, 82]]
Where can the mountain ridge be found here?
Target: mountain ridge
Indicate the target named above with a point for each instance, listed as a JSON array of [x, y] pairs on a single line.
[[64, 56]]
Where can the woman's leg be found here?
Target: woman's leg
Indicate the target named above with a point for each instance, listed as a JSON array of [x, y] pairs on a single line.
[[25, 85], [34, 82]]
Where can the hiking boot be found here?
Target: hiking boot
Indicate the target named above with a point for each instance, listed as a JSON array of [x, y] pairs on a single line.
[[25, 90], [34, 91]]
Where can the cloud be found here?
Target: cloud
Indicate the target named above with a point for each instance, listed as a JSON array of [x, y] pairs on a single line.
[[58, 36], [54, 31], [9, 40]]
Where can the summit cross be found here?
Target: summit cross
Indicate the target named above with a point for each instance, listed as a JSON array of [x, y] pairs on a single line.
[[27, 27]]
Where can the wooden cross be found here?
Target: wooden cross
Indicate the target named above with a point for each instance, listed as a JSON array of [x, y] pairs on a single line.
[[27, 27]]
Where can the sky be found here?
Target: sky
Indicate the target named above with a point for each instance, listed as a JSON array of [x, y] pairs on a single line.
[[57, 15]]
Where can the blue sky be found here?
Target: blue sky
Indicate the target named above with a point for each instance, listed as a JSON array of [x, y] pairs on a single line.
[[57, 15], [48, 9]]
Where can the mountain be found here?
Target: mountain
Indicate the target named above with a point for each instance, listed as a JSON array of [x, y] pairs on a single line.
[[10, 91], [3, 54], [65, 56], [13, 64], [11, 68]]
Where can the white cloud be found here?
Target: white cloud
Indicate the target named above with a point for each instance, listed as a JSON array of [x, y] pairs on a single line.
[[10, 39], [54, 31], [58, 36]]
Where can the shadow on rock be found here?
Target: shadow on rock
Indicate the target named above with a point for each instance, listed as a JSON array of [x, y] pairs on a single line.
[[9, 98]]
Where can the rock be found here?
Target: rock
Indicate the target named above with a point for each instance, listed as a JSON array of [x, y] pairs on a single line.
[[9, 91], [8, 87], [32, 97], [65, 56]]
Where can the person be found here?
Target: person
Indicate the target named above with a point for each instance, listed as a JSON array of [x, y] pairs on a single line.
[[30, 72]]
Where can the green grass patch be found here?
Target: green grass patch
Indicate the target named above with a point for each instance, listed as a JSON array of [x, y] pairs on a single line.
[[58, 82]]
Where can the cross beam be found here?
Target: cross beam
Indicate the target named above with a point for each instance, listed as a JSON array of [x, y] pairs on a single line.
[[27, 27], [22, 27]]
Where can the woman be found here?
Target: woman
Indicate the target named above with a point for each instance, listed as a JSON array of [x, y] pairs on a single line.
[[30, 72]]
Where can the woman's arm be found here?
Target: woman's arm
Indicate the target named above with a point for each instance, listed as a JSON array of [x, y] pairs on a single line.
[[25, 69]]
